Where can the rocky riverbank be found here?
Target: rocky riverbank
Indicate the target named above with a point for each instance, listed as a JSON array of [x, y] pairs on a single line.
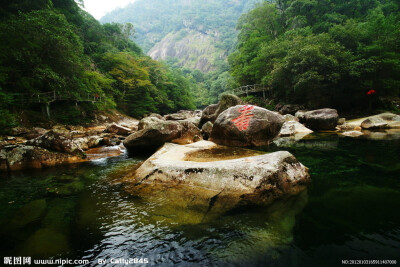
[[230, 123], [33, 147]]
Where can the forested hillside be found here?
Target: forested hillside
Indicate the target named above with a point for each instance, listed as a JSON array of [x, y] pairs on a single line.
[[332, 53], [194, 35], [53, 46], [155, 19]]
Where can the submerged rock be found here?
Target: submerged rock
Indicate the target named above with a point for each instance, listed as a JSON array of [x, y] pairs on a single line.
[[218, 186], [29, 213], [45, 243], [246, 126]]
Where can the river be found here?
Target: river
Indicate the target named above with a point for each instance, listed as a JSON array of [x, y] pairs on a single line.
[[349, 212]]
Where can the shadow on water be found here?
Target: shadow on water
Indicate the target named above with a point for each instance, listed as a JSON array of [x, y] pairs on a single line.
[[350, 211]]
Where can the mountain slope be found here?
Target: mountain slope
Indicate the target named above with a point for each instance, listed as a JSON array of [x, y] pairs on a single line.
[[197, 33]]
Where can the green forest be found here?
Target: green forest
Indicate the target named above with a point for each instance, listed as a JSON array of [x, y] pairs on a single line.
[[326, 53], [155, 19], [55, 46]]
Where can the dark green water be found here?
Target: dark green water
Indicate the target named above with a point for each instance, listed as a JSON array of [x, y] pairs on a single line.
[[350, 211]]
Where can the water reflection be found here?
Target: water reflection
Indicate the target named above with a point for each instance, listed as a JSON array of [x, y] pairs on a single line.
[[349, 212]]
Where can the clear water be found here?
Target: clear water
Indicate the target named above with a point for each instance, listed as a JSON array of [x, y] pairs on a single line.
[[350, 211]]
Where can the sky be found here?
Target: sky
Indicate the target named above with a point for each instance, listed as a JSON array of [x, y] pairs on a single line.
[[99, 8]]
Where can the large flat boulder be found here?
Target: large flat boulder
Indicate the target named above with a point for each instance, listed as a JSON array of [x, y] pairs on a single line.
[[376, 122], [246, 126], [218, 186]]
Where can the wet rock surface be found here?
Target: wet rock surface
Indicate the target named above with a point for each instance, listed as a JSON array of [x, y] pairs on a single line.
[[19, 157]]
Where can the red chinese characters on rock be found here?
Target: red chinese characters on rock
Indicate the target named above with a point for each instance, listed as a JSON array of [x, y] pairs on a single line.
[[242, 122]]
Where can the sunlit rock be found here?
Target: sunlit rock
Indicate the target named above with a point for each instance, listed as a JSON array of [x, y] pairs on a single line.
[[57, 142], [117, 129], [211, 187], [352, 133], [374, 123], [20, 157], [291, 128]]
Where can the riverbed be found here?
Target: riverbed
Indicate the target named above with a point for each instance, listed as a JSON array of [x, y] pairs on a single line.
[[349, 212]]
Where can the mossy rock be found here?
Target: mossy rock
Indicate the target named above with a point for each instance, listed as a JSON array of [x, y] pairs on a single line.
[[30, 213], [59, 214], [67, 189], [228, 101], [66, 178], [45, 243]]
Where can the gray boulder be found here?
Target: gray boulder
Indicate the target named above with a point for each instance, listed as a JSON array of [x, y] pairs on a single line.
[[189, 134], [246, 126], [212, 112], [154, 134], [56, 142], [374, 123], [206, 130], [145, 122], [291, 128], [320, 119], [117, 129]]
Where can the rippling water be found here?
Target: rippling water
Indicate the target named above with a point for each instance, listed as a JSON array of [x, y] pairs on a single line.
[[351, 211]]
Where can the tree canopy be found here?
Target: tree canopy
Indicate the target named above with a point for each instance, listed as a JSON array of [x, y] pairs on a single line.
[[55, 46], [322, 53]]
